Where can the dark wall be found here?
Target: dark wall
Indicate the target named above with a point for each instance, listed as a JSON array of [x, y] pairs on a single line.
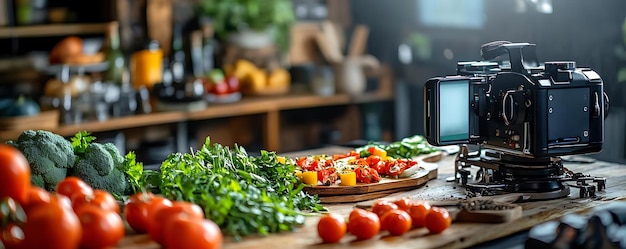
[[579, 30]]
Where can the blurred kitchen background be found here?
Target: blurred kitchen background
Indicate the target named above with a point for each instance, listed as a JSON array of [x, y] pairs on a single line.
[[76, 64]]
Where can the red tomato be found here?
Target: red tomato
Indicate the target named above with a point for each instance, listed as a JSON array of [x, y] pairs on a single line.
[[397, 222], [141, 208], [155, 228], [365, 175], [37, 195], [233, 84], [101, 228], [220, 88], [141, 197], [52, 225], [374, 175], [352, 153], [438, 220], [136, 214], [73, 187], [156, 203], [380, 208], [327, 176], [100, 198], [331, 228], [363, 225], [418, 212], [14, 174], [183, 232], [403, 203], [356, 212]]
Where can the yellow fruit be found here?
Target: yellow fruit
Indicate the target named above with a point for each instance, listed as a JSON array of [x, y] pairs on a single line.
[[243, 68], [279, 78], [257, 80]]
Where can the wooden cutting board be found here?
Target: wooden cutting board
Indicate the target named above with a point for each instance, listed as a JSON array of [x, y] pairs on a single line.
[[386, 186]]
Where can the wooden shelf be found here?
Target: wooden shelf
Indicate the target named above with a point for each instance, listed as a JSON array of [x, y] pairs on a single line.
[[52, 30], [269, 106]]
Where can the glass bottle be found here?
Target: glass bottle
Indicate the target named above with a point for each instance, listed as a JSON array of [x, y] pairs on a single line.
[[114, 55], [177, 65]]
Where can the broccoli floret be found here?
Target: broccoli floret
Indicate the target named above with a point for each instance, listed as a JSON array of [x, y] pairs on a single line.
[[102, 167], [49, 155]]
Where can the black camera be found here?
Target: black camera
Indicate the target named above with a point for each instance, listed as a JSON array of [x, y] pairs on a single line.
[[517, 107]]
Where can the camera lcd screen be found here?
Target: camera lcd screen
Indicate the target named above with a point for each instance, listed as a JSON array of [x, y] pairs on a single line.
[[454, 111]]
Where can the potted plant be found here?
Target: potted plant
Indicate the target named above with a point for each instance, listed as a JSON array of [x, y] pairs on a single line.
[[250, 23]]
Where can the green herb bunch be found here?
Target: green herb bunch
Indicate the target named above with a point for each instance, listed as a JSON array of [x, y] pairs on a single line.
[[241, 193]]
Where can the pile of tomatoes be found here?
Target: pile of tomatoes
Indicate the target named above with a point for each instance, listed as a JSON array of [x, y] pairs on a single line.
[[78, 216], [172, 224], [396, 217]]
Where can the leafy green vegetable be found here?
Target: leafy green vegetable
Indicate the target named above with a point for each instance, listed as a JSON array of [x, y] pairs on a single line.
[[406, 148], [81, 141], [241, 193], [133, 171]]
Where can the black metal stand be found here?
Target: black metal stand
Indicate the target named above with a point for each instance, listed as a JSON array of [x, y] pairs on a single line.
[[535, 178]]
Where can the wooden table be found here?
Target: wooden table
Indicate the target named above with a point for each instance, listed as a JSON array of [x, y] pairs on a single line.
[[459, 235]]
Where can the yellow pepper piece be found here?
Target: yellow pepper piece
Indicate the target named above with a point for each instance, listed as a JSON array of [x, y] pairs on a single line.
[[377, 152], [299, 174], [281, 159], [348, 178], [309, 177]]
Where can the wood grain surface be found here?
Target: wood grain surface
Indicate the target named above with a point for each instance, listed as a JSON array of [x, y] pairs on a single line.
[[459, 235]]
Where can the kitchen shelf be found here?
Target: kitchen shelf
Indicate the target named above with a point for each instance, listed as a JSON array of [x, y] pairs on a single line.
[[53, 30], [270, 106]]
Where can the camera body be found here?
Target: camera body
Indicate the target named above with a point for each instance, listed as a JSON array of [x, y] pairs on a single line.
[[522, 109]]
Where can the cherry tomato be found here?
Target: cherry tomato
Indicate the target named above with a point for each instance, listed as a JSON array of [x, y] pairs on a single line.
[[162, 215], [100, 198], [351, 153], [136, 214], [418, 212], [331, 228], [101, 228], [74, 187], [380, 208], [36, 195], [327, 176], [233, 84], [403, 203], [374, 175], [14, 174], [52, 225], [363, 225], [378, 164], [140, 208], [220, 88], [356, 212], [366, 175], [183, 232], [156, 203], [438, 220], [397, 222], [141, 197]]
